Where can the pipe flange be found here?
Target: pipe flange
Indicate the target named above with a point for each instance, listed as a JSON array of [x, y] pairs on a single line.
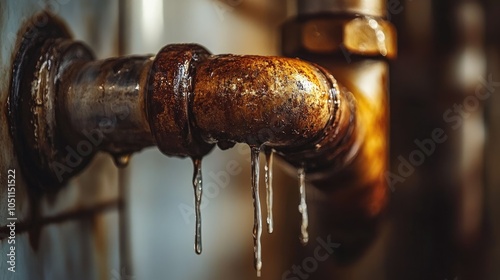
[[169, 98], [42, 151]]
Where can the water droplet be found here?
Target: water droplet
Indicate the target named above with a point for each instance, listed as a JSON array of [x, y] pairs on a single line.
[[269, 188], [257, 225], [121, 160], [304, 235], [198, 191]]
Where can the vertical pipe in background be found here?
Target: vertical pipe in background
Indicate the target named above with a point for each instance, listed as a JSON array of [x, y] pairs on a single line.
[[353, 40]]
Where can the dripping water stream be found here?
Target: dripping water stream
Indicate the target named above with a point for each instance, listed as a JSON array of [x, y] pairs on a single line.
[[198, 191], [269, 190], [304, 235], [257, 226], [121, 160]]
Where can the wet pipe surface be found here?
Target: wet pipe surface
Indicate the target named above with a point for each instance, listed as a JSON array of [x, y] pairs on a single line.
[[194, 100]]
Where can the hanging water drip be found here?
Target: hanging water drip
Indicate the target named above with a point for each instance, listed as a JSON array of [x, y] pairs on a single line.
[[121, 160], [269, 189], [257, 226], [198, 191], [304, 235]]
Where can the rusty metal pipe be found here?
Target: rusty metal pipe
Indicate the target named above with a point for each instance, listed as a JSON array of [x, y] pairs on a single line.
[[196, 98], [295, 107], [105, 100], [185, 101], [262, 100]]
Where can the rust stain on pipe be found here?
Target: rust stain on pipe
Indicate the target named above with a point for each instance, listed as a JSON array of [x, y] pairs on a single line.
[[261, 100], [196, 100], [169, 92], [185, 101]]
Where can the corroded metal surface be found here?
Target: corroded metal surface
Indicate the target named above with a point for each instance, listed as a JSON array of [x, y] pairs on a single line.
[[64, 107], [354, 49], [351, 175], [280, 102], [31, 104], [184, 100], [104, 101], [39, 216], [195, 99], [170, 90]]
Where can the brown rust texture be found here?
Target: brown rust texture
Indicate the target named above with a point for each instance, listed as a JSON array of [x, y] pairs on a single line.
[[30, 104], [355, 50], [169, 90], [360, 189], [335, 146], [196, 100], [261, 100]]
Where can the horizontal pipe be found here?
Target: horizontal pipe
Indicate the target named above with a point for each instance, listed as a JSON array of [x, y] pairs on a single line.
[[104, 101], [279, 102], [295, 107], [184, 100]]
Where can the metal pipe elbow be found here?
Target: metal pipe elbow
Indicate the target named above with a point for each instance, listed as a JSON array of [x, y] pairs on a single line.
[[196, 100]]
